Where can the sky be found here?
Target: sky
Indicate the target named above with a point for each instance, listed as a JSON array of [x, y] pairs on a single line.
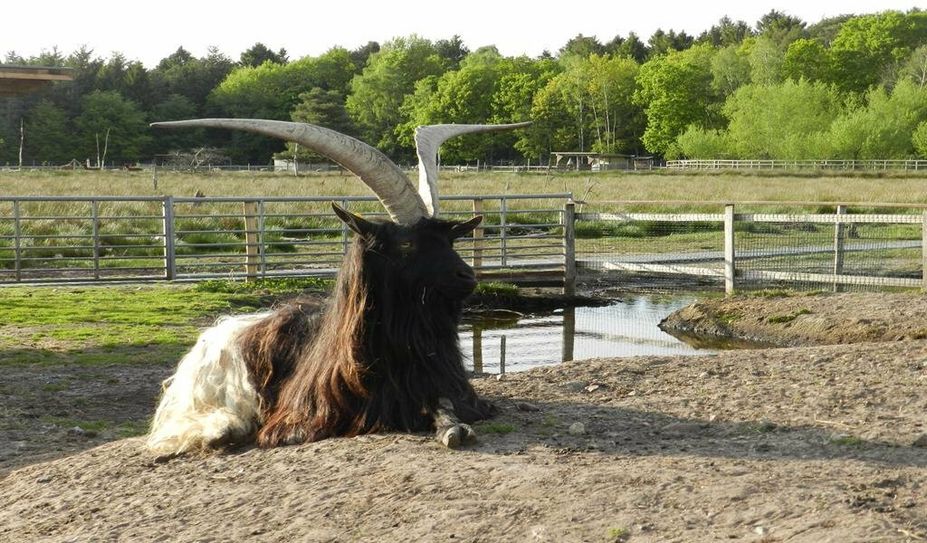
[[150, 31]]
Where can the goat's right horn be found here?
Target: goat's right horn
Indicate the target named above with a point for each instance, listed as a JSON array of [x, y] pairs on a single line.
[[387, 181]]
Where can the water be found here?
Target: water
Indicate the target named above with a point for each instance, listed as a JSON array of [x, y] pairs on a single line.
[[625, 328]]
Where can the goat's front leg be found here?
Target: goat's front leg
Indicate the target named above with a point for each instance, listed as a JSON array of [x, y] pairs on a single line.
[[448, 429]]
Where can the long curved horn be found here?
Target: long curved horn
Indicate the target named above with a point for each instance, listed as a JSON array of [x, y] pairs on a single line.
[[427, 141], [387, 181]]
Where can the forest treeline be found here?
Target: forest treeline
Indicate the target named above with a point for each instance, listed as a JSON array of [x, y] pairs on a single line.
[[848, 87]]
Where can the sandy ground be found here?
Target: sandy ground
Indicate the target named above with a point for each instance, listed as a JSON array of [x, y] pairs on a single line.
[[825, 443]]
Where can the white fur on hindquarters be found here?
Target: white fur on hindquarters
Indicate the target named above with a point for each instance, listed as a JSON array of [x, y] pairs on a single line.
[[210, 397]]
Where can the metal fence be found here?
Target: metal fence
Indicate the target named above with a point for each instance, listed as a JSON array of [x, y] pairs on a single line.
[[86, 239], [528, 239], [758, 246], [904, 165]]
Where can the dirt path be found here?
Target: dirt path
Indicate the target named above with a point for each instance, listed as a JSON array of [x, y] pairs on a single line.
[[800, 444]]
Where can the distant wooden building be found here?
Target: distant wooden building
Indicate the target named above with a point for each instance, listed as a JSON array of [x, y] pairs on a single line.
[[19, 80], [574, 160]]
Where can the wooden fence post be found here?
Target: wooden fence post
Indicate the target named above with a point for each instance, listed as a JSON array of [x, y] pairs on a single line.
[[477, 261], [729, 253], [839, 245], [569, 333], [477, 348], [252, 252], [569, 248], [924, 252], [170, 262]]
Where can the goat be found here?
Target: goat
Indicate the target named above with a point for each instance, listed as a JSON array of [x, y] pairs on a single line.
[[381, 354]]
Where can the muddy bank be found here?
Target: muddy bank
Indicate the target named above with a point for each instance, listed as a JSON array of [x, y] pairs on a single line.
[[816, 319]]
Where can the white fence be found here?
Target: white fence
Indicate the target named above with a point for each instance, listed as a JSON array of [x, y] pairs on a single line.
[[905, 165], [835, 250]]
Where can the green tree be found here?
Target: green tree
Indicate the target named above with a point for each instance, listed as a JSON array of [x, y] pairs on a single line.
[[632, 47], [915, 68], [781, 121], [884, 127], [726, 33], [919, 140], [323, 108], [581, 46], [48, 138], [766, 59], [867, 49], [781, 28], [730, 69], [173, 108], [108, 111], [661, 42], [377, 93], [807, 59], [675, 91], [272, 91], [259, 53]]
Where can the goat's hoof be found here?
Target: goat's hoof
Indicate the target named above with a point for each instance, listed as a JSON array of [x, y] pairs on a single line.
[[454, 436]]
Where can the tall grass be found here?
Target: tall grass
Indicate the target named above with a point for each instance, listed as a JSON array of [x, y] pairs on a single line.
[[666, 186]]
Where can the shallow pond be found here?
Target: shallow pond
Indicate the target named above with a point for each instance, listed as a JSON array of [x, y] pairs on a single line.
[[628, 327]]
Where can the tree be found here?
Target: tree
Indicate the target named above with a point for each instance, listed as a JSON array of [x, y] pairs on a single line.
[[675, 91], [107, 112], [726, 33], [730, 69], [47, 134], [781, 28], [633, 48], [470, 95], [259, 53], [377, 93], [182, 73], [868, 48], [323, 108], [766, 59], [581, 46], [884, 127], [452, 50], [919, 140], [662, 42], [360, 55], [915, 68], [781, 121], [807, 59], [272, 91], [173, 108]]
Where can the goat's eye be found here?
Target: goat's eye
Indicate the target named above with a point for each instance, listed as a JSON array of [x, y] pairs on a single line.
[[406, 246]]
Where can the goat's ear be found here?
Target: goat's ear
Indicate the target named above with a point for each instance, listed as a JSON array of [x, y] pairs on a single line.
[[356, 223], [463, 229]]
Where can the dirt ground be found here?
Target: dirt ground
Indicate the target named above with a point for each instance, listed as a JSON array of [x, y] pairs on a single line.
[[821, 443]]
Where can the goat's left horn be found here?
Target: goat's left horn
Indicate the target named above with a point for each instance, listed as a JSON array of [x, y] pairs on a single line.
[[387, 181], [427, 141]]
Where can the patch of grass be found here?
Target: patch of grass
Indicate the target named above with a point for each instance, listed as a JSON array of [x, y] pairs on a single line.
[[132, 428], [89, 425], [496, 428], [617, 534], [779, 319], [772, 293], [109, 324], [289, 285], [496, 289], [54, 387], [848, 441], [728, 317]]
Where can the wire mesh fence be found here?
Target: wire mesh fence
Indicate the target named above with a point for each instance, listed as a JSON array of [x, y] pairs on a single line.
[[751, 246], [73, 239]]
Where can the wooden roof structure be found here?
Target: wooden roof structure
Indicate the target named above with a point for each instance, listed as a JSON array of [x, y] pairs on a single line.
[[19, 80]]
